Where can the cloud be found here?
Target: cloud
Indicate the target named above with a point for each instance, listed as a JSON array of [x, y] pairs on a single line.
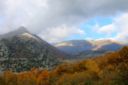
[[107, 29], [58, 33], [122, 27], [118, 26], [19, 13], [39, 16]]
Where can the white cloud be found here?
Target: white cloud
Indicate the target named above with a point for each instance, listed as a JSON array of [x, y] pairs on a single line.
[[59, 33], [121, 24], [118, 26], [16, 13], [107, 29]]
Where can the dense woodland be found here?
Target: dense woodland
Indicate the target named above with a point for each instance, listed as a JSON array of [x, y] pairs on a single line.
[[109, 69]]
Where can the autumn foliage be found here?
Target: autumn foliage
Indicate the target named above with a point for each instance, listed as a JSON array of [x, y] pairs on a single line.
[[109, 69]]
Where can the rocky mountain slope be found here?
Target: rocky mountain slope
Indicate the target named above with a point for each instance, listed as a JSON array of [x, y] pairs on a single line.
[[23, 51]]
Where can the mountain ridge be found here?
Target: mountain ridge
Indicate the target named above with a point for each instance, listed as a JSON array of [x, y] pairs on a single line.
[[85, 48]]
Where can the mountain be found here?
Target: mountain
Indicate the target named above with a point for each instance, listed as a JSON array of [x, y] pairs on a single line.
[[112, 67], [74, 46], [18, 31], [22, 51], [108, 45], [84, 48]]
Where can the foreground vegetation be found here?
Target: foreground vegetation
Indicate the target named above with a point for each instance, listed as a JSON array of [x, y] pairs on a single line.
[[110, 69]]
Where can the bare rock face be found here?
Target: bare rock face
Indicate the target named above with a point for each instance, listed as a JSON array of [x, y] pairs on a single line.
[[25, 51]]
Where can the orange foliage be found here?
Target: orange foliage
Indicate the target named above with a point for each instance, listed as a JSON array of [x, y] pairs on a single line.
[[43, 78]]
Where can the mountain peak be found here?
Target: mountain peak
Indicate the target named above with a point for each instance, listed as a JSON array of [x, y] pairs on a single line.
[[22, 27], [18, 31], [21, 30]]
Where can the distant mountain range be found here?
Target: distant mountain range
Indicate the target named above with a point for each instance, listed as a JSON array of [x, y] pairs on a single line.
[[21, 50], [84, 48]]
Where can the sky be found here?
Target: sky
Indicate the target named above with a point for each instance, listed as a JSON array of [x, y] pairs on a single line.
[[60, 20]]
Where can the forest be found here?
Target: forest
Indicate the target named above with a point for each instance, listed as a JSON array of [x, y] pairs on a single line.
[[108, 69]]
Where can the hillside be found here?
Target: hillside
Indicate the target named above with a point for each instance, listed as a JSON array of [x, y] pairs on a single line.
[[110, 69], [24, 51]]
